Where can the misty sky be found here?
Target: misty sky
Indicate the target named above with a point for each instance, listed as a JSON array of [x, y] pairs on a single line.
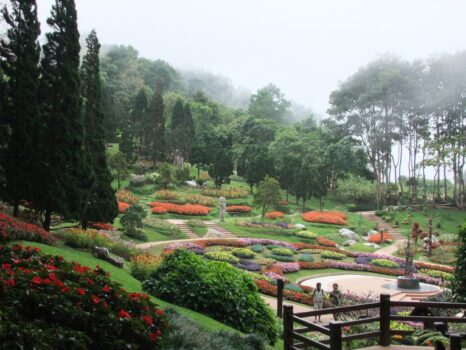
[[304, 46]]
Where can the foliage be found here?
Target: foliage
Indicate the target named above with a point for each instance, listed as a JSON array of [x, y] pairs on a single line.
[[239, 209], [78, 238], [243, 253], [167, 195], [166, 177], [305, 234], [222, 256], [438, 274], [216, 289], [459, 283], [46, 290], [127, 196], [429, 337], [196, 223], [12, 229], [132, 222], [385, 263], [269, 103], [282, 251], [117, 162], [199, 199], [306, 258], [267, 194], [143, 265], [326, 217], [278, 257], [257, 248], [326, 254]]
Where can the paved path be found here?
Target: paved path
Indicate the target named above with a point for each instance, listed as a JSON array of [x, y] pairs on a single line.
[[184, 228], [383, 225]]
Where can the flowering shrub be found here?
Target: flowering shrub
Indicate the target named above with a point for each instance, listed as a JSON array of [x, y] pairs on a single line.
[[243, 253], [306, 234], [326, 217], [12, 229], [425, 265], [268, 288], [101, 226], [122, 206], [285, 258], [167, 195], [222, 256], [274, 276], [142, 265], [325, 242], [127, 197], [215, 289], [379, 238], [232, 192], [306, 257], [79, 238], [311, 251], [288, 267], [200, 199], [266, 261], [239, 209], [248, 266], [63, 305], [438, 274], [158, 210], [137, 180], [251, 241], [326, 254], [183, 245], [223, 242], [282, 251], [268, 225], [274, 215], [385, 263], [184, 209]]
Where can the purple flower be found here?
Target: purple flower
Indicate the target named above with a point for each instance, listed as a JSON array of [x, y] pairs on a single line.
[[274, 276], [252, 241], [184, 245], [288, 267]]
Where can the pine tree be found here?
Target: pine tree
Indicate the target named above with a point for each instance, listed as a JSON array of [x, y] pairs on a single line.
[[66, 176], [102, 206], [182, 129], [21, 54], [155, 129]]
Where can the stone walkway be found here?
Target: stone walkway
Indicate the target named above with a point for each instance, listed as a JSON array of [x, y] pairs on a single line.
[[184, 228]]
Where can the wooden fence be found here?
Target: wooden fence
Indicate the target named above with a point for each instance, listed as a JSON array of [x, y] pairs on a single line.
[[296, 338]]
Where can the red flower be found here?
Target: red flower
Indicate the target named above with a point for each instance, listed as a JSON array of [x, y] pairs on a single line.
[[80, 291], [90, 282], [37, 280], [6, 266], [123, 314], [65, 290], [11, 282], [106, 289], [50, 267], [159, 312], [148, 320], [59, 283], [52, 276], [95, 299]]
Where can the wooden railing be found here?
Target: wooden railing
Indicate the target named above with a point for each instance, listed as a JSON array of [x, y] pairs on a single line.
[[296, 338]]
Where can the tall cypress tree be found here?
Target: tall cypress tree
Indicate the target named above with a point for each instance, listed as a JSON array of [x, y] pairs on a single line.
[[155, 128], [66, 176], [102, 206], [21, 54], [182, 132]]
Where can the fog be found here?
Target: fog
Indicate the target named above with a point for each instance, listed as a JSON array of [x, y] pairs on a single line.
[[305, 47]]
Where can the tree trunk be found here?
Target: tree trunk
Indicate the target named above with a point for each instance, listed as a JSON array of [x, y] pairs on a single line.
[[84, 224], [16, 209], [320, 203], [47, 220], [119, 180]]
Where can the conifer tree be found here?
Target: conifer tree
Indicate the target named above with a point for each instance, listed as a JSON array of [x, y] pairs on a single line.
[[66, 176], [155, 129], [102, 205], [182, 128], [21, 54]]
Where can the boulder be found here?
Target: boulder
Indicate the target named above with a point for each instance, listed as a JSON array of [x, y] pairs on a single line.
[[348, 234], [191, 183], [349, 242], [104, 254], [300, 226], [213, 233]]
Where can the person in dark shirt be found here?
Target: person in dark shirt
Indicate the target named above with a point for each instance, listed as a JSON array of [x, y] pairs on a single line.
[[335, 297]]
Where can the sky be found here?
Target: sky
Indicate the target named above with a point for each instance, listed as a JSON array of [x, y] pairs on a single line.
[[306, 47]]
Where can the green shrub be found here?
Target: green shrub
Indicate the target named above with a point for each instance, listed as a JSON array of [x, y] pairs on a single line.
[[215, 289], [283, 258], [311, 251], [222, 256], [327, 254], [306, 258], [266, 261], [243, 253], [438, 274], [385, 263], [85, 239], [306, 234], [282, 251], [257, 248], [132, 222], [218, 248], [164, 228]]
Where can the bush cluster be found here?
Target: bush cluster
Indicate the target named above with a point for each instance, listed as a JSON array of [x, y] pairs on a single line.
[[239, 209], [15, 230], [243, 253], [222, 256], [327, 254], [230, 193], [282, 251], [305, 234], [274, 215], [385, 263]]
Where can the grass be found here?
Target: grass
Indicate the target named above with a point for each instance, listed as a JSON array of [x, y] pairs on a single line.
[[296, 276]]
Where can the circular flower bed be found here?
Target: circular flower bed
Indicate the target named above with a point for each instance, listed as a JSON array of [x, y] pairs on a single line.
[[326, 217], [239, 209], [62, 305], [274, 215]]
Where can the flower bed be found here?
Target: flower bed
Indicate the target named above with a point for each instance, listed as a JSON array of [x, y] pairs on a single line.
[[385, 263], [438, 274], [122, 206], [232, 193], [272, 226], [184, 209], [101, 226], [61, 304], [326, 242], [243, 253], [282, 251], [200, 199], [263, 241], [306, 234], [79, 238], [158, 210], [167, 195], [142, 265], [222, 256], [288, 267], [127, 197], [379, 238], [326, 254], [326, 217], [239, 209], [12, 229], [274, 215]]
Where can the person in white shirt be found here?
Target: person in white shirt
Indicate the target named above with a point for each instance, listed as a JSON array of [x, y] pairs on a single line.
[[318, 298]]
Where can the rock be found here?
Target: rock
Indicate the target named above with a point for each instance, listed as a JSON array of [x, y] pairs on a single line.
[[213, 233], [348, 234], [104, 254], [349, 242], [300, 226], [373, 245], [191, 183]]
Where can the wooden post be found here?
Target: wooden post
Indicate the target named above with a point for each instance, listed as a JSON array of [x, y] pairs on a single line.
[[280, 286], [335, 336], [455, 341], [288, 327], [384, 338], [441, 327]]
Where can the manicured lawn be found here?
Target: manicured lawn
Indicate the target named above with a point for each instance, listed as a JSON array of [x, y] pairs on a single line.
[[296, 276]]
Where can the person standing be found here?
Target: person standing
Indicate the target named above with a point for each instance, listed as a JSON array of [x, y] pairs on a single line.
[[318, 298], [335, 296]]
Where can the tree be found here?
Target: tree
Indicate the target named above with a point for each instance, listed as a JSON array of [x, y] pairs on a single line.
[[269, 103], [118, 163], [267, 194], [154, 129], [102, 205], [459, 282], [65, 175], [132, 222], [255, 165], [221, 158], [182, 133], [21, 54], [127, 142]]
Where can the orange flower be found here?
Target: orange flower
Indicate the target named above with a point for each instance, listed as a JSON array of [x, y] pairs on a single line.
[[326, 217], [274, 215], [239, 209]]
